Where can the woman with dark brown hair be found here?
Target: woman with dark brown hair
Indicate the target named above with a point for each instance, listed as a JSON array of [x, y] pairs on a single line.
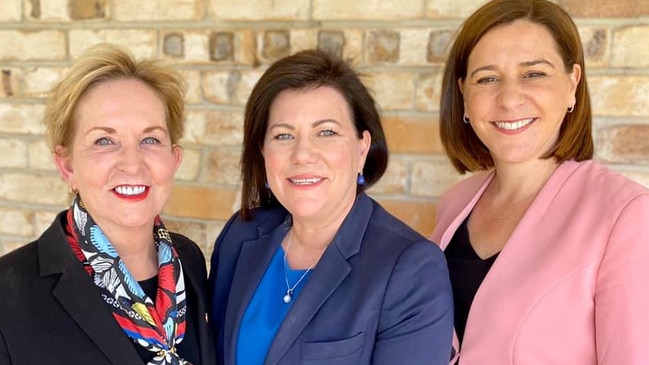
[[547, 249], [312, 270]]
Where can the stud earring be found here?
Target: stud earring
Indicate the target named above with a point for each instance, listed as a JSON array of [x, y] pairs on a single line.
[[267, 185], [360, 179]]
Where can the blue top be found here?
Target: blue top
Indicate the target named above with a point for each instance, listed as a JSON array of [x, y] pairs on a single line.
[[266, 311]]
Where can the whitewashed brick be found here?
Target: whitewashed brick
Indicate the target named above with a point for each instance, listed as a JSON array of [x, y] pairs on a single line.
[[36, 82], [142, 42], [395, 179], [49, 10], [11, 10], [22, 118], [157, 10], [230, 87], [619, 95], [43, 219], [190, 166], [16, 222], [194, 93], [32, 45], [368, 9], [392, 90], [428, 91], [452, 9], [14, 153], [626, 51], [36, 189], [214, 127], [40, 156], [412, 48], [303, 39], [432, 177], [259, 10]]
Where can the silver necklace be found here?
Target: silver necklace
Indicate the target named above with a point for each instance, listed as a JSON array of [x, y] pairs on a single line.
[[289, 289]]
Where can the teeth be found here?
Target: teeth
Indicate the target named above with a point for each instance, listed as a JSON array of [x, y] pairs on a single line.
[[130, 190], [305, 181], [513, 126]]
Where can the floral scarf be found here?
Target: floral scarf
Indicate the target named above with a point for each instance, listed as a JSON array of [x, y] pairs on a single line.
[[157, 327]]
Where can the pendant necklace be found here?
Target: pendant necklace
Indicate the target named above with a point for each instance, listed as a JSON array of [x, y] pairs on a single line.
[[288, 297]]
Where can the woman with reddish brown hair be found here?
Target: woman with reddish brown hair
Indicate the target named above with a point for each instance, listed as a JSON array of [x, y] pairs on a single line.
[[547, 250]]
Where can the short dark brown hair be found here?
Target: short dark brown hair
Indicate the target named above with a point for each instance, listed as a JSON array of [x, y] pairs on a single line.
[[464, 148], [304, 70]]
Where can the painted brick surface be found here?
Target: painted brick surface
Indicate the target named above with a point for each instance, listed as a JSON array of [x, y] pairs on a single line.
[[221, 47]]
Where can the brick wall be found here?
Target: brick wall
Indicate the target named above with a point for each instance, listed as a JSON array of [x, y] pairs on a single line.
[[223, 46]]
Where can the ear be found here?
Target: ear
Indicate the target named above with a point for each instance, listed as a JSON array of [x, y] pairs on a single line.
[[63, 160], [460, 85], [177, 151], [364, 144], [575, 77]]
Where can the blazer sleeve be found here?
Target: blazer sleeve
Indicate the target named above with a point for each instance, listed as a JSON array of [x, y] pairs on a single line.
[[622, 292], [416, 321], [4, 353]]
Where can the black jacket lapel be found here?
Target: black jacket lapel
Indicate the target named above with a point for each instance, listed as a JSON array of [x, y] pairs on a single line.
[[79, 297]]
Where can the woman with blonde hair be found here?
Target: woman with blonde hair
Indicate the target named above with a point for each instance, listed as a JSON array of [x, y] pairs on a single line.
[[106, 283]]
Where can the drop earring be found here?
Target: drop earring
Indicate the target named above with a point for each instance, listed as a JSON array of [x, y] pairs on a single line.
[[360, 179]]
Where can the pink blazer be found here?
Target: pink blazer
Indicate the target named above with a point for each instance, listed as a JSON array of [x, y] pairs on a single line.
[[571, 286]]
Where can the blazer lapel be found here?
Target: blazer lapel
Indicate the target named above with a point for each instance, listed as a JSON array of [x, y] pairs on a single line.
[[253, 260], [330, 271], [196, 283], [79, 297]]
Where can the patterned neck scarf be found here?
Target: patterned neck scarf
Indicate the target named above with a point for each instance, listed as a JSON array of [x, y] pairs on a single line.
[[157, 327]]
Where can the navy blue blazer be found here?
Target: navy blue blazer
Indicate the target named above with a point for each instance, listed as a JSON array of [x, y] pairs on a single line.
[[380, 293]]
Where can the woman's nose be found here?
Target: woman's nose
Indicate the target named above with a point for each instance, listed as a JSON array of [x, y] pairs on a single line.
[[510, 94], [303, 151]]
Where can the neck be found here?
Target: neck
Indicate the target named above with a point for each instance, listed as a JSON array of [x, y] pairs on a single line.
[[308, 242], [517, 181]]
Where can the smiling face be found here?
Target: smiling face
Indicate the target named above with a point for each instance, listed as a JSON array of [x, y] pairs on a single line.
[[517, 91], [121, 161], [312, 153]]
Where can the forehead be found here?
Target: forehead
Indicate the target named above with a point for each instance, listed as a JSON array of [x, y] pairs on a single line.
[[319, 102], [520, 38], [125, 100]]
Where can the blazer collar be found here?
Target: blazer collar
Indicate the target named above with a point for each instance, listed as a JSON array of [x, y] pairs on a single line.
[[330, 271], [77, 294]]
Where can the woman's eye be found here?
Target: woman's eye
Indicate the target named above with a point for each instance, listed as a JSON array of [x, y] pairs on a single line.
[[487, 80], [328, 133], [104, 141], [150, 140], [534, 74], [283, 136]]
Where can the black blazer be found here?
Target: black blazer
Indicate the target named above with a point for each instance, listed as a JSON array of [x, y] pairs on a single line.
[[52, 313], [380, 293]]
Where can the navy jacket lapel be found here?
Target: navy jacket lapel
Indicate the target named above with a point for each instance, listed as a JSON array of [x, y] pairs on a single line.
[[330, 271], [253, 260], [79, 297]]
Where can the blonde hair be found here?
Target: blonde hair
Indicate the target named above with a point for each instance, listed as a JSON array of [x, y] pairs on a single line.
[[105, 62]]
